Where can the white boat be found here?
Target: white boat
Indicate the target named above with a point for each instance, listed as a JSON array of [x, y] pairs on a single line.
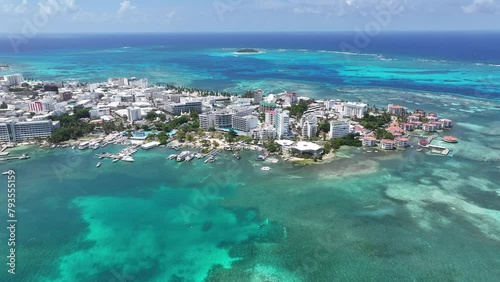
[[171, 157], [83, 145], [266, 168], [74, 147], [150, 145], [95, 145], [115, 160], [182, 156], [189, 158], [210, 160], [98, 164], [128, 159]]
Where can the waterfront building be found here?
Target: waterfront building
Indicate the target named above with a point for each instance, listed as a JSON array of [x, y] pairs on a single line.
[[338, 129], [396, 109], [118, 81], [439, 124], [14, 79], [141, 83], [14, 131], [245, 123], [402, 142], [369, 141], [258, 96], [302, 148], [387, 144], [354, 109], [134, 114], [447, 123], [429, 127]]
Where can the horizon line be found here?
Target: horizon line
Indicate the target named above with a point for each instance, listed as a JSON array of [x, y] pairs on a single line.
[[257, 32]]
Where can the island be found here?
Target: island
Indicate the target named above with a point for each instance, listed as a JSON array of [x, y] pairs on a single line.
[[296, 128], [247, 51], [4, 66]]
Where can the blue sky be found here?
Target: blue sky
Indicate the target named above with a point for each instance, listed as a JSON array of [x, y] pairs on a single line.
[[245, 15]]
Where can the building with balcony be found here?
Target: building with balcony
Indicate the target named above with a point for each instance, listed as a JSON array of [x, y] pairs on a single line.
[[386, 144], [338, 129], [14, 131]]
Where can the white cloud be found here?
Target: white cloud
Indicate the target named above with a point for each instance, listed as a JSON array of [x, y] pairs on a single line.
[[306, 10], [52, 7], [126, 6], [481, 6], [170, 16], [11, 8]]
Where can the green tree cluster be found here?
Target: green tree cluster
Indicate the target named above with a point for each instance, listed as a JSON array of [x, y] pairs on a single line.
[[71, 127], [373, 122], [299, 109], [348, 140], [383, 134], [271, 145]]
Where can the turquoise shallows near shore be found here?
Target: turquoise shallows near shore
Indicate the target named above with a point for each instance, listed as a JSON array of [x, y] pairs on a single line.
[[385, 216]]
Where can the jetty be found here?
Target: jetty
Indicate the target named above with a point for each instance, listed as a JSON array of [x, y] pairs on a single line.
[[23, 157]]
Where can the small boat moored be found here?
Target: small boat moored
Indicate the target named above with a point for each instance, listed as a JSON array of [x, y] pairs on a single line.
[[98, 164]]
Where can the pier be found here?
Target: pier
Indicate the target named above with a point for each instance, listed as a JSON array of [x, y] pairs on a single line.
[[23, 157]]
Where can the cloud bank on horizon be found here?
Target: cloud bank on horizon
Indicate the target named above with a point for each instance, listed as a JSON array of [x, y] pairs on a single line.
[[246, 15]]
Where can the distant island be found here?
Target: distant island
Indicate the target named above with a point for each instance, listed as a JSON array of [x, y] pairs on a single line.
[[248, 50]]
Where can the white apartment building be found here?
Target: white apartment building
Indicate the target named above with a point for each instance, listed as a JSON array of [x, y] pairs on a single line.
[[338, 129], [223, 119], [141, 83], [97, 113], [309, 129], [245, 123], [207, 121], [13, 131], [264, 133], [258, 96], [352, 109], [14, 79], [187, 107], [134, 114], [282, 123]]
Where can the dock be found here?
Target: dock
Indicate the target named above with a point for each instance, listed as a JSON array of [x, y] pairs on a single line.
[[23, 157], [438, 150]]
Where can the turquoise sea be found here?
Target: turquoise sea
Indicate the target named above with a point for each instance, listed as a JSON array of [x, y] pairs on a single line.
[[380, 216]]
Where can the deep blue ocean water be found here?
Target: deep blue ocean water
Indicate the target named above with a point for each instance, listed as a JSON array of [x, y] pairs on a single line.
[[463, 63]]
